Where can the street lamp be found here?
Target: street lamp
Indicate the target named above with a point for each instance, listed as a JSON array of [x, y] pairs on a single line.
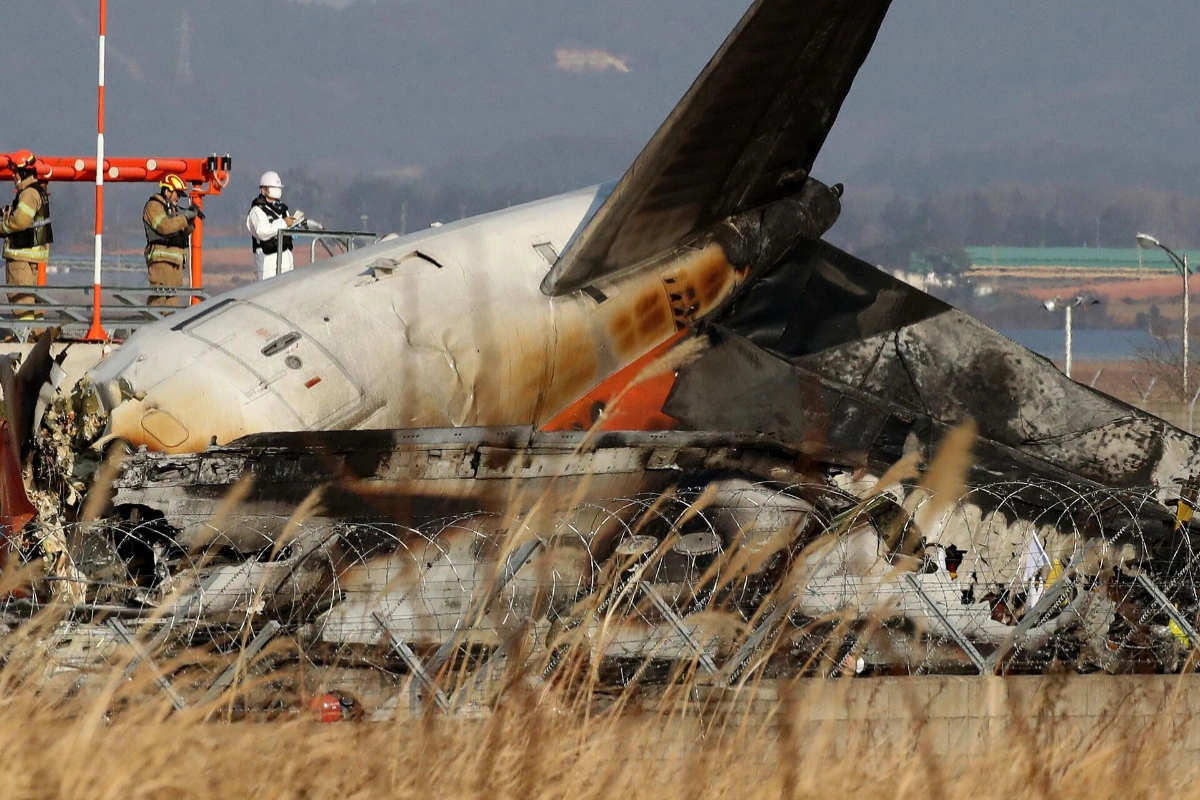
[[1069, 306], [1148, 242]]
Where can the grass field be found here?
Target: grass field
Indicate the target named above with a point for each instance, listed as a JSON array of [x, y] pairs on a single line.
[[528, 747]]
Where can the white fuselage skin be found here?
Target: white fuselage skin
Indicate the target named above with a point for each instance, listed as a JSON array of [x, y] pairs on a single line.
[[443, 328]]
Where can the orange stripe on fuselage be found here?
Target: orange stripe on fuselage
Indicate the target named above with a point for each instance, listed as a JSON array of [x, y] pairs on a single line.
[[639, 403]]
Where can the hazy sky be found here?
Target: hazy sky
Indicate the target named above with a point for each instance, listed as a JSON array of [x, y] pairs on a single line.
[[375, 85]]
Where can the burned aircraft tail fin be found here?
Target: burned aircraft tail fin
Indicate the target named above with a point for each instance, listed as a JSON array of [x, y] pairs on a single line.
[[745, 134]]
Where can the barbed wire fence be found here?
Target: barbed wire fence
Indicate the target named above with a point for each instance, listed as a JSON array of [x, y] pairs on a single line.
[[715, 586]]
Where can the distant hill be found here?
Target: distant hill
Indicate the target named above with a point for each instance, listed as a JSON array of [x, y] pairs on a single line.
[[963, 92], [1029, 163], [1058, 114]]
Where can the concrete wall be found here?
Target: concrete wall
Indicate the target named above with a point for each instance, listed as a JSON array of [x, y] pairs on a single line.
[[958, 716]]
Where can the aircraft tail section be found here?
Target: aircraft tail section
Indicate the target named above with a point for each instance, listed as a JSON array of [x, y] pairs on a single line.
[[746, 134]]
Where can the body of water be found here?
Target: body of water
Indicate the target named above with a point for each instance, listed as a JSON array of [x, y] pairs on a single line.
[[1087, 345]]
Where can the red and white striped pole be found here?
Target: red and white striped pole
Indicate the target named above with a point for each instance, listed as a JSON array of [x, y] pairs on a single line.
[[96, 331]]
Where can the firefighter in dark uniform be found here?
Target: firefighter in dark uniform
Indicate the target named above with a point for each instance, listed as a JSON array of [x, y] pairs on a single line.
[[168, 233], [26, 229]]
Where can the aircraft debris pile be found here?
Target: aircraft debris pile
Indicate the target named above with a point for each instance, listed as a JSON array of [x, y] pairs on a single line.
[[648, 554]]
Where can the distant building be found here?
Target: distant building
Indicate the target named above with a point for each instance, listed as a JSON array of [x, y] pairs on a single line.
[[925, 281]]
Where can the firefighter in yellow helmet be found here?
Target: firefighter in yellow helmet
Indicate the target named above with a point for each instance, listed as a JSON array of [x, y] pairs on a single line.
[[168, 231], [26, 229]]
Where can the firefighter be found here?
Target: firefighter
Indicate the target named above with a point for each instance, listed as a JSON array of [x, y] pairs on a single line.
[[26, 229], [168, 231], [268, 216]]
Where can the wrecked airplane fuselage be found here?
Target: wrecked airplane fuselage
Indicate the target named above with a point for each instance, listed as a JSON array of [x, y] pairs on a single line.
[[457, 538], [442, 328]]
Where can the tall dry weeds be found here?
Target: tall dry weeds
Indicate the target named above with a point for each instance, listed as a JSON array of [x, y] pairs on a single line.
[[547, 727], [798, 739]]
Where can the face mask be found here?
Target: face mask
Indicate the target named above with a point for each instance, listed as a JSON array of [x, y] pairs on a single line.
[[275, 194]]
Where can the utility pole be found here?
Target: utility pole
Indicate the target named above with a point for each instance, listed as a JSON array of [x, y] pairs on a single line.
[[1146, 242], [1069, 306], [1068, 359], [1187, 305]]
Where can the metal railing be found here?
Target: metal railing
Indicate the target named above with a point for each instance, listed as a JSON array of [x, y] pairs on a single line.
[[125, 309], [342, 241]]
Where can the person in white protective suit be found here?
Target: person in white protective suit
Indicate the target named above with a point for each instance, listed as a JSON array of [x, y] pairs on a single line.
[[268, 216]]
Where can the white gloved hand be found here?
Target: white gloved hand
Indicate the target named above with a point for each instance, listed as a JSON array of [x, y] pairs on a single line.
[[298, 216]]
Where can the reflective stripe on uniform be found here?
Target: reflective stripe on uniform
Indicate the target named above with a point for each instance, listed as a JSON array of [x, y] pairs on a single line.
[[19, 217], [34, 254], [171, 255]]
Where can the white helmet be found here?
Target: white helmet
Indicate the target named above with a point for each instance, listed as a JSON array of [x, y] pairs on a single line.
[[270, 180]]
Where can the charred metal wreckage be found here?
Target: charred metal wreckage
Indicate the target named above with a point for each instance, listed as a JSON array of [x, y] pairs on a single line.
[[698, 410]]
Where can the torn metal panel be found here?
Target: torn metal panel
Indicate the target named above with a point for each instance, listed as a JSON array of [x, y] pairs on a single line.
[[160, 679], [828, 314], [409, 477], [415, 477], [462, 494]]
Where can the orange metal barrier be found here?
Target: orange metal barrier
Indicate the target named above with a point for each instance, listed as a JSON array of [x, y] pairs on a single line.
[[206, 176]]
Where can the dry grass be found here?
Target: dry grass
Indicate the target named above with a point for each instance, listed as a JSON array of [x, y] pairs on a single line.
[[526, 749], [1093, 737]]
